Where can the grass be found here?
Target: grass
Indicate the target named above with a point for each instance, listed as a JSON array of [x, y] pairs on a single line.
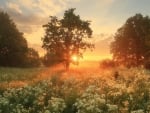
[[18, 74], [80, 90], [83, 90]]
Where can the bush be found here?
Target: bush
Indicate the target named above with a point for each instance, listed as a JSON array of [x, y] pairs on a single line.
[[100, 95], [33, 59], [50, 59], [107, 63], [147, 65]]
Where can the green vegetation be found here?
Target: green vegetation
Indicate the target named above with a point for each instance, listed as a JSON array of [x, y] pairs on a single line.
[[14, 50], [131, 45], [129, 92], [70, 36], [18, 74], [66, 37], [109, 89]]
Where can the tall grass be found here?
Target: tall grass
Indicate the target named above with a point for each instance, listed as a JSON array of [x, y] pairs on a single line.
[[129, 92], [18, 74]]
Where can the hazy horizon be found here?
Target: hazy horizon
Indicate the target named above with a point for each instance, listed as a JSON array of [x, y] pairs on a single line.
[[106, 17]]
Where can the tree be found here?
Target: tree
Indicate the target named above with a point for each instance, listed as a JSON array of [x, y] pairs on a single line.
[[13, 46], [107, 64], [14, 51], [33, 59], [131, 45], [50, 59], [66, 37]]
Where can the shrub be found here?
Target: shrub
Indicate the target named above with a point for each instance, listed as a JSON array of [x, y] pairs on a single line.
[[147, 65], [107, 63]]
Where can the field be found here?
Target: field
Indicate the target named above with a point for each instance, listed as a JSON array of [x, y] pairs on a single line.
[[83, 89]]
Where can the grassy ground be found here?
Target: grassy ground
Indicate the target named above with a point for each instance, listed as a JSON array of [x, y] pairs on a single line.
[[85, 70], [82, 89], [19, 77], [18, 74]]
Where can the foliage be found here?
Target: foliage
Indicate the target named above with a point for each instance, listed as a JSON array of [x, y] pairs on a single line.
[[33, 59], [51, 59], [14, 51], [147, 65], [127, 94], [65, 37], [131, 45], [107, 63], [13, 46], [18, 74], [91, 102]]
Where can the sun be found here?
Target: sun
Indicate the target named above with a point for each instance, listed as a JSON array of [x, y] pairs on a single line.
[[74, 58]]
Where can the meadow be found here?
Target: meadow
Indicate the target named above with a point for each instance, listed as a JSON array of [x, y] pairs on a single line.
[[79, 90]]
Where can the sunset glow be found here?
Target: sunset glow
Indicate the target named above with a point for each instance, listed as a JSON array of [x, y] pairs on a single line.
[[74, 58], [106, 17]]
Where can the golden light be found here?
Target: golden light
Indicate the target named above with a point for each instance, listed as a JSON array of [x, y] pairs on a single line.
[[74, 58]]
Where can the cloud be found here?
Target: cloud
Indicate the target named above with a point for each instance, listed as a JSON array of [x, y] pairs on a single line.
[[30, 15], [102, 46], [13, 6], [44, 7], [109, 1], [39, 7]]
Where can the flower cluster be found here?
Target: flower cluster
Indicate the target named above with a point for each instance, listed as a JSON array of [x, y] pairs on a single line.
[[94, 95]]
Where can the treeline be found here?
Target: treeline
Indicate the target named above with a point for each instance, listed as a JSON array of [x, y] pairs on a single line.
[[14, 50], [130, 48], [67, 37], [63, 38], [131, 45]]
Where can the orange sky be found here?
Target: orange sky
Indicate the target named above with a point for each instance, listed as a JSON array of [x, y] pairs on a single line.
[[106, 17]]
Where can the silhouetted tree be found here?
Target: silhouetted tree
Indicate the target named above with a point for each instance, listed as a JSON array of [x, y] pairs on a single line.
[[14, 51], [50, 59], [131, 45], [107, 63], [67, 36], [13, 46], [33, 59]]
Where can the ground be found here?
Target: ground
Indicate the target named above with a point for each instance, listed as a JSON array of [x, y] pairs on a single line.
[[83, 89]]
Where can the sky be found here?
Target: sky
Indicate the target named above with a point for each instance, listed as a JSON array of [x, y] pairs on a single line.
[[106, 17]]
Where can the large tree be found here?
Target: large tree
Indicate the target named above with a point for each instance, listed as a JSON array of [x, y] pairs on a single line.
[[66, 37], [131, 45], [14, 51], [32, 58], [13, 46]]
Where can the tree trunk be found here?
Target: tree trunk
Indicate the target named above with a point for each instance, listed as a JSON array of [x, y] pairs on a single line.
[[67, 65], [67, 62]]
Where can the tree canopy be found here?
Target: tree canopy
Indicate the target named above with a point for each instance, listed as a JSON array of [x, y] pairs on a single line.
[[32, 58], [14, 49], [66, 37], [13, 45], [131, 45]]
